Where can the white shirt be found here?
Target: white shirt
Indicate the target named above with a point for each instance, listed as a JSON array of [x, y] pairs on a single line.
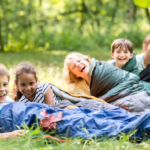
[[140, 62]]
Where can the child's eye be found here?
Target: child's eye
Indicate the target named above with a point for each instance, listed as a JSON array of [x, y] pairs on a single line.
[[31, 83], [74, 67], [22, 84], [5, 84]]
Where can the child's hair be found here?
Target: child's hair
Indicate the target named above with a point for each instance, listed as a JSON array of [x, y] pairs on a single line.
[[68, 77], [147, 40], [4, 71], [24, 67], [121, 43]]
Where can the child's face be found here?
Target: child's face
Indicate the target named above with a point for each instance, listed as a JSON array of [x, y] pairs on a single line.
[[4, 88], [121, 56], [27, 85], [79, 67], [146, 49]]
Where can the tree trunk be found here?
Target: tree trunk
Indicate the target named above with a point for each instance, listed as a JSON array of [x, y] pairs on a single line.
[[83, 11], [1, 41], [147, 14], [115, 11]]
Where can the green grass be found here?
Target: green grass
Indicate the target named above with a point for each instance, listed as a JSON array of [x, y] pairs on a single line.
[[49, 66]]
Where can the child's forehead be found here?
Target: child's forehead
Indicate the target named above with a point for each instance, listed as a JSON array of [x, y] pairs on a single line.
[[122, 48], [75, 58], [4, 78]]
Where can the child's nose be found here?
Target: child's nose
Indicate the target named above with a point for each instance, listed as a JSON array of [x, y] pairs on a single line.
[[122, 53], [1, 88], [28, 87]]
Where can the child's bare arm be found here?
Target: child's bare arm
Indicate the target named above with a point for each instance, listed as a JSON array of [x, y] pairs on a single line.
[[49, 97], [9, 135]]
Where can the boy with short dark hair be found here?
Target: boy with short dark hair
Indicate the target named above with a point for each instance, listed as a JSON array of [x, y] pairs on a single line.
[[124, 58]]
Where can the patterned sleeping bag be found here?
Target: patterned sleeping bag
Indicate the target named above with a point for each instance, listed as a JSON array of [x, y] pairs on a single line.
[[118, 87]]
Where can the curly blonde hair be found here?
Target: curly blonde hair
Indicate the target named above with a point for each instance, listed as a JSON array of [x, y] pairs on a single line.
[[68, 77]]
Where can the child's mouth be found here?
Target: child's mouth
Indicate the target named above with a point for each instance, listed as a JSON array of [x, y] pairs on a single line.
[[122, 59], [82, 69], [2, 96]]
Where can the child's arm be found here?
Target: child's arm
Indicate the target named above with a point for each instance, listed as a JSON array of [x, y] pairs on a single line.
[[9, 135], [49, 97]]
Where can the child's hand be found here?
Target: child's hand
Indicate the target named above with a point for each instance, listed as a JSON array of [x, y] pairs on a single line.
[[12, 134], [16, 133]]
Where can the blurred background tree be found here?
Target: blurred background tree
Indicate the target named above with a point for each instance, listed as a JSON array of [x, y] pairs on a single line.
[[39, 25]]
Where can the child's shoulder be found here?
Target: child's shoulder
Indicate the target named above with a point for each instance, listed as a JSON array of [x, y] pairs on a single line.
[[139, 59], [8, 100], [139, 56], [43, 86], [112, 62]]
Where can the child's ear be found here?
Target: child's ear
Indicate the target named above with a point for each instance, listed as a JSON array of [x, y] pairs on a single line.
[[112, 54], [144, 47], [36, 79], [15, 82], [131, 55]]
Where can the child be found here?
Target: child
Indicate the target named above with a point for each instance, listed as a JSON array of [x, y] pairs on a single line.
[[107, 82], [4, 86], [76, 86], [143, 61], [4, 100], [26, 88], [122, 52]]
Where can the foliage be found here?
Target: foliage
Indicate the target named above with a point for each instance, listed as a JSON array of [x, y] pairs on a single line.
[[143, 3], [41, 25]]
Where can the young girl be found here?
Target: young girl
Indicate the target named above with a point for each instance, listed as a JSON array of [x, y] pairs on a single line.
[[106, 82], [76, 86], [26, 88], [143, 61]]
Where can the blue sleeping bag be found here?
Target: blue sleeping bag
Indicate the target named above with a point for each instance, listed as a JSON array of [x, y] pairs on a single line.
[[84, 123]]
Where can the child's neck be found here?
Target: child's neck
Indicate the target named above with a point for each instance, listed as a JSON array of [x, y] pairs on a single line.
[[119, 66], [146, 60], [86, 80]]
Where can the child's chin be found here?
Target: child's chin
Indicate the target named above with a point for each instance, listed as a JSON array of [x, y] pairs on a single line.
[[2, 99]]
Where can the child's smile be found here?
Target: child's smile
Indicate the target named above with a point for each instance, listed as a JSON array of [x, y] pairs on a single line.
[[27, 85], [121, 56], [4, 88], [79, 67]]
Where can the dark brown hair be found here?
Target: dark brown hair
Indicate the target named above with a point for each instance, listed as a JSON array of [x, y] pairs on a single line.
[[24, 67], [121, 43]]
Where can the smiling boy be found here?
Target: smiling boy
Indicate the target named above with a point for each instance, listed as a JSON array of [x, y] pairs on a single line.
[[4, 86], [124, 58], [4, 99]]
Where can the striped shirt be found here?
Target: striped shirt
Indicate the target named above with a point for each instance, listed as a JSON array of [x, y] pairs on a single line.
[[41, 89]]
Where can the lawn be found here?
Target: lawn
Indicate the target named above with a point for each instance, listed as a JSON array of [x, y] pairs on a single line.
[[49, 66]]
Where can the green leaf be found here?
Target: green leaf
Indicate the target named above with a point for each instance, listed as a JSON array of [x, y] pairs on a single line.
[[142, 3]]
